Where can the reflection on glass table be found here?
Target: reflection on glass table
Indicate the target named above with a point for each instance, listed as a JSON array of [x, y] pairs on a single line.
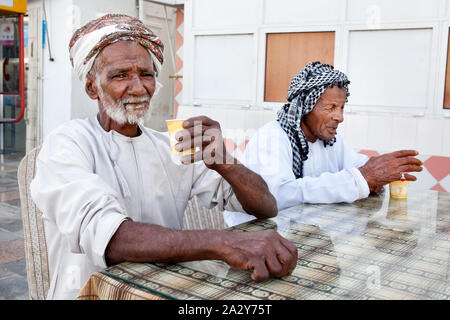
[[375, 248]]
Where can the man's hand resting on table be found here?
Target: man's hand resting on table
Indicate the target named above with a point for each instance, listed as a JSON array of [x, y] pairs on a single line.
[[265, 253], [389, 167]]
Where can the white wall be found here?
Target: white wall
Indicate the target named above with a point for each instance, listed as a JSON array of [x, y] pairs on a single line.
[[56, 83], [162, 104], [394, 52]]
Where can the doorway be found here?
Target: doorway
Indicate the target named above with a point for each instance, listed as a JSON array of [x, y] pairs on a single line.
[[161, 20], [12, 134]]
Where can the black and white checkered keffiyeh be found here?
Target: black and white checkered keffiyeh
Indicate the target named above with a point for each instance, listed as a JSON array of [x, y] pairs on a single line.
[[305, 89]]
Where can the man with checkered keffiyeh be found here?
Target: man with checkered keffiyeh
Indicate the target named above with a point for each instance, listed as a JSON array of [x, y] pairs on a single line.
[[305, 89], [304, 160]]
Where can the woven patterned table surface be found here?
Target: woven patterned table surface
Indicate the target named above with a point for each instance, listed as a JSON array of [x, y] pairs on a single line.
[[376, 248]]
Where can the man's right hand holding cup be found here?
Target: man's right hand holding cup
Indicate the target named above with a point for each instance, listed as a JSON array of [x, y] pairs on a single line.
[[381, 170]]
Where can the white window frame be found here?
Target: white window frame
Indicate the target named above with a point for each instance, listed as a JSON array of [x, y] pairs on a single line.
[[191, 33], [226, 102], [404, 110], [342, 28]]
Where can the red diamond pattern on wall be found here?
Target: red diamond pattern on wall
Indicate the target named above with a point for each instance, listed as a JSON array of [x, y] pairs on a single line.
[[439, 167], [179, 41], [438, 187]]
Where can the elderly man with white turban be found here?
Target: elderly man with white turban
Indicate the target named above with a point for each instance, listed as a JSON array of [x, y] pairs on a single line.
[[301, 157], [109, 190]]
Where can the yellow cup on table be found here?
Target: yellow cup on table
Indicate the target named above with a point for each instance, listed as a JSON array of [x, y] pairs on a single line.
[[174, 126], [399, 189]]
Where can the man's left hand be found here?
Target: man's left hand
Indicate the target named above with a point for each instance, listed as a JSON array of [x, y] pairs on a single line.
[[205, 136]]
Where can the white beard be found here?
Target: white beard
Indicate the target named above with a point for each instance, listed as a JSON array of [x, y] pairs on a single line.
[[123, 113]]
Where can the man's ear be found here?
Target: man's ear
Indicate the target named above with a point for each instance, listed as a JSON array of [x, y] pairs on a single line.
[[91, 87]]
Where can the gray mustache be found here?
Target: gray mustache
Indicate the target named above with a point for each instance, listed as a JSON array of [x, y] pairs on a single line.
[[135, 100]]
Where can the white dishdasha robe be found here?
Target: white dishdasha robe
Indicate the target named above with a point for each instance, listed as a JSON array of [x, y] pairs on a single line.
[[88, 181], [330, 174]]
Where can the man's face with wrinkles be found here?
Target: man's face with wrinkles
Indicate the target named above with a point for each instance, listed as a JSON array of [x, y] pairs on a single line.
[[125, 81]]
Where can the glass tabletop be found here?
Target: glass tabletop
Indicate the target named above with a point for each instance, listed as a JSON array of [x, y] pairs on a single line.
[[375, 248]]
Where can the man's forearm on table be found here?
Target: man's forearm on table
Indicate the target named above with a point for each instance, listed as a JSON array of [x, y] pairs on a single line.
[[250, 189], [264, 252], [143, 242]]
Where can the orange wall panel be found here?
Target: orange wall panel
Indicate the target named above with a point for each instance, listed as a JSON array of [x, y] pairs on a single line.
[[447, 78], [288, 53]]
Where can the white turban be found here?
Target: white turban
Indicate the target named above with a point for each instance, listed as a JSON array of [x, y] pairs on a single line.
[[89, 40]]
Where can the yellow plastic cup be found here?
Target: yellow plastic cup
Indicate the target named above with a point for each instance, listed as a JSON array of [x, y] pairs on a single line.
[[173, 126], [399, 189]]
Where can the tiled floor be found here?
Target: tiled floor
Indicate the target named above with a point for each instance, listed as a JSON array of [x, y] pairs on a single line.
[[13, 277]]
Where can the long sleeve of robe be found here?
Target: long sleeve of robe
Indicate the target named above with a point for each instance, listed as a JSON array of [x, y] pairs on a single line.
[[330, 174], [88, 181]]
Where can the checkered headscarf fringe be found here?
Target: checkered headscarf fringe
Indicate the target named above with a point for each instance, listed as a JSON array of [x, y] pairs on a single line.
[[305, 89]]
